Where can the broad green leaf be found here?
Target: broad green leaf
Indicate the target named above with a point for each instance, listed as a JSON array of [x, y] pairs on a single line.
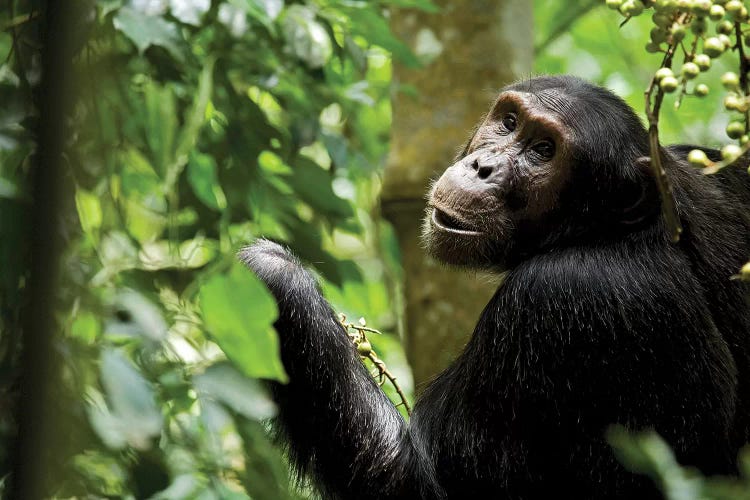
[[233, 15], [263, 11], [117, 253], [107, 6], [239, 313], [182, 486], [144, 31], [89, 211], [368, 23], [85, 327], [160, 123], [8, 189], [165, 254], [272, 8], [271, 163], [104, 470], [136, 316], [146, 219], [358, 92], [305, 36], [190, 11], [201, 174], [139, 178], [131, 416], [223, 383], [145, 206], [189, 133], [313, 185], [266, 473], [337, 148]]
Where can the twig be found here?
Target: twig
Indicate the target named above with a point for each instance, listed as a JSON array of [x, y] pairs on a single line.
[[383, 370], [744, 68], [668, 205], [359, 338], [19, 20]]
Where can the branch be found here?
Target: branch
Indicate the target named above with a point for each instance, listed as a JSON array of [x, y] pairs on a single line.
[[744, 68], [359, 338], [668, 205]]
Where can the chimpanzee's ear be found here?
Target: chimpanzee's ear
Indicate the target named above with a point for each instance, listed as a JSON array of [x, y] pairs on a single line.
[[643, 200]]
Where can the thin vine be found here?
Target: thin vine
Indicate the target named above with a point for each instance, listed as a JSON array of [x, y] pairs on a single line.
[[358, 334]]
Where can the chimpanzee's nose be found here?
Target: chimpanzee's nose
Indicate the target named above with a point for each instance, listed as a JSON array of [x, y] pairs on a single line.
[[485, 165]]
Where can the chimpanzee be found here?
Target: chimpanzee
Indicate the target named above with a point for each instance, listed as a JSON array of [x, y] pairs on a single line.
[[600, 319]]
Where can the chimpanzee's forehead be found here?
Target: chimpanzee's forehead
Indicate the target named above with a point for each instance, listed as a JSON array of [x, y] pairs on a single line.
[[547, 106], [551, 99], [556, 101]]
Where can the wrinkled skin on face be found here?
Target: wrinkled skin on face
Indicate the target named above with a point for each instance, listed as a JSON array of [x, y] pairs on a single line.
[[510, 175]]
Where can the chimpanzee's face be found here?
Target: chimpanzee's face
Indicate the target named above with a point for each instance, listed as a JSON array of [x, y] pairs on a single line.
[[510, 175]]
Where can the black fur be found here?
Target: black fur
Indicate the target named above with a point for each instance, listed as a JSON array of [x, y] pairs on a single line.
[[603, 323]]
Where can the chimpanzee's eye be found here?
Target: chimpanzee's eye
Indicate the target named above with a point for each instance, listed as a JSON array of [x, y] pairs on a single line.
[[509, 122], [545, 149]]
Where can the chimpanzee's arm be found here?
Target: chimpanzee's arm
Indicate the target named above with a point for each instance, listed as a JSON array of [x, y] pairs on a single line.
[[340, 426]]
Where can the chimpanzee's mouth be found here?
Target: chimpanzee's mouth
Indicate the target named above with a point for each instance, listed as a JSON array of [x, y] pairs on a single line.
[[452, 223]]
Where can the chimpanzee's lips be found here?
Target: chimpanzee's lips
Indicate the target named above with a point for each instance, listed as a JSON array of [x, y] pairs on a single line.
[[452, 223]]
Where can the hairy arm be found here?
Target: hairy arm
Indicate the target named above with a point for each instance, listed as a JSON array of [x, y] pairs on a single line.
[[340, 426]]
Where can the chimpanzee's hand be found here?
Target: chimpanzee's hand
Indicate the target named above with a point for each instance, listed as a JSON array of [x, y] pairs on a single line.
[[275, 265]]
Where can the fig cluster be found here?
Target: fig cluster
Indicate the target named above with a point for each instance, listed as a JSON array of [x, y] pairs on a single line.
[[700, 31]]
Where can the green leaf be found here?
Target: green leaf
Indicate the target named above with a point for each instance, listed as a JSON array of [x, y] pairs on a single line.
[[647, 453], [201, 174], [313, 185], [372, 26], [239, 313], [193, 123], [89, 211], [117, 253], [337, 148], [160, 123], [223, 383], [182, 486], [165, 254], [305, 36], [85, 327], [138, 176], [132, 416], [273, 164], [263, 11], [145, 206], [272, 8], [136, 316], [9, 189], [266, 473], [145, 30], [190, 12]]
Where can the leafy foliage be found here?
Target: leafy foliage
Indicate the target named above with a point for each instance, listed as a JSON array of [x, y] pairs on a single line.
[[647, 453], [198, 126]]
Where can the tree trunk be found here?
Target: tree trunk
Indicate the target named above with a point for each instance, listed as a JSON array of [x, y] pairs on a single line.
[[485, 45]]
